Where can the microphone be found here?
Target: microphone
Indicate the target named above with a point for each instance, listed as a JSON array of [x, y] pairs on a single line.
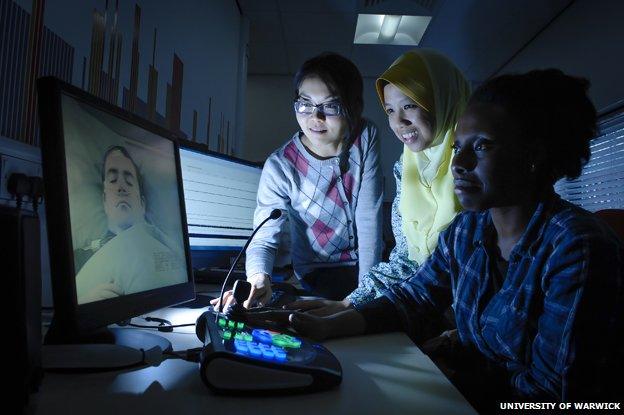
[[275, 214]]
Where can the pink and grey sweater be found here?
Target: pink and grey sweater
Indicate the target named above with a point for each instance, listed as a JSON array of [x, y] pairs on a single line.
[[333, 206]]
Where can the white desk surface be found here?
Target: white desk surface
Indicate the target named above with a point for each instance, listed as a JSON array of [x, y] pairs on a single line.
[[382, 374]]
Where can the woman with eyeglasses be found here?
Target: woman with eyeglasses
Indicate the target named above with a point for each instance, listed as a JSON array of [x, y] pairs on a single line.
[[326, 180], [423, 93]]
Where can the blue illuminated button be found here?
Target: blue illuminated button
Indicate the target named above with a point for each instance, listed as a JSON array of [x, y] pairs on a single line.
[[268, 353], [280, 354], [262, 336], [255, 351], [241, 346], [253, 345]]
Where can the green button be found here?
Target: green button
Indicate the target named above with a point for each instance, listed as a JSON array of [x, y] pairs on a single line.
[[222, 322], [240, 326], [227, 335], [247, 337], [239, 336], [278, 340], [292, 341], [295, 344], [284, 340], [231, 324]]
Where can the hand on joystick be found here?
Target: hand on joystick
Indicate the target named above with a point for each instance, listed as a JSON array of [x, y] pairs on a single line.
[[240, 292]]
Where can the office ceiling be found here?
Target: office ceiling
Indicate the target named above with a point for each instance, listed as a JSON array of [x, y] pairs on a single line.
[[480, 36]]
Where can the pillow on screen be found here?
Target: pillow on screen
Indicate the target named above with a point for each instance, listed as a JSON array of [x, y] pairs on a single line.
[[86, 140]]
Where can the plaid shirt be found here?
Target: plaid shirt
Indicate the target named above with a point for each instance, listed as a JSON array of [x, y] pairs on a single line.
[[333, 206], [555, 324]]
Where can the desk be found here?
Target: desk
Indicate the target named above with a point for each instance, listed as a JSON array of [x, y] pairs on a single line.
[[382, 374]]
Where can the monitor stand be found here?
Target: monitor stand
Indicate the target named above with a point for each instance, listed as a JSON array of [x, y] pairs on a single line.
[[104, 349]]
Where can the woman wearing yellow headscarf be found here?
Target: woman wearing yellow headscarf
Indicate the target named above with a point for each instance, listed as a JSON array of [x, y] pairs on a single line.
[[423, 93]]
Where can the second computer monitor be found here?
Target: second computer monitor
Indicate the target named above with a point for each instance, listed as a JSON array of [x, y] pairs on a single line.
[[220, 197]]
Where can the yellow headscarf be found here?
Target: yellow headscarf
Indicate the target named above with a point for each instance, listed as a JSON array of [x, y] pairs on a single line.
[[428, 202]]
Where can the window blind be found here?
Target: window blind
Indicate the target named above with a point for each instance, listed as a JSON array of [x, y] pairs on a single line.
[[601, 184]]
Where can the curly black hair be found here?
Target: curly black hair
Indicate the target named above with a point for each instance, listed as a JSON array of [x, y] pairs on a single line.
[[553, 113], [343, 79]]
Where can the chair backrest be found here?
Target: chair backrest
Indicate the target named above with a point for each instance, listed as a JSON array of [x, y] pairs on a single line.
[[614, 218]]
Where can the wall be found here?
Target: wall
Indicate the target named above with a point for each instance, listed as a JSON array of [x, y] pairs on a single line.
[[269, 115], [204, 34], [270, 121], [586, 40]]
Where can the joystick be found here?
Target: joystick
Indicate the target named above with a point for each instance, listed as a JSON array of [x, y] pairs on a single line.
[[240, 292]]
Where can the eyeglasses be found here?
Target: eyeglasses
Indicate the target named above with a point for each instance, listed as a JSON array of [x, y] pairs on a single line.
[[330, 109]]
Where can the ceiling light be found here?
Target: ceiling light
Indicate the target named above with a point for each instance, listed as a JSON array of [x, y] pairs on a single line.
[[381, 29], [389, 27]]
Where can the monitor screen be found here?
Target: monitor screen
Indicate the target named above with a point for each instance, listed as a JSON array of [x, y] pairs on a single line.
[[220, 198], [115, 210]]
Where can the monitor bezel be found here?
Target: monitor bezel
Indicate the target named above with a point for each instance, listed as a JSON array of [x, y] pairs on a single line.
[[204, 149], [70, 318]]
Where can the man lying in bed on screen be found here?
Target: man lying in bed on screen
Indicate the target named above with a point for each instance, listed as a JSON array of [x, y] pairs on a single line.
[[134, 255]]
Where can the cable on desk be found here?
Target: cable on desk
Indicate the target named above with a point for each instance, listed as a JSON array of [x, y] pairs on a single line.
[[190, 355], [162, 328], [163, 325]]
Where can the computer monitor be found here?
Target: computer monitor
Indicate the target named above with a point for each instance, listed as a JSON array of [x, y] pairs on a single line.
[[220, 198], [115, 214]]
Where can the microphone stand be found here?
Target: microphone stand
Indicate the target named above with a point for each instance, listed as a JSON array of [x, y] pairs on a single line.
[[275, 214]]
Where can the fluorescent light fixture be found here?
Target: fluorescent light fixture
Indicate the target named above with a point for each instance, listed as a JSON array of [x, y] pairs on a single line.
[[389, 27], [381, 29]]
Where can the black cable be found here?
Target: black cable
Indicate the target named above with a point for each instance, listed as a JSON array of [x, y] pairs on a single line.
[[162, 321], [190, 355], [161, 327]]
